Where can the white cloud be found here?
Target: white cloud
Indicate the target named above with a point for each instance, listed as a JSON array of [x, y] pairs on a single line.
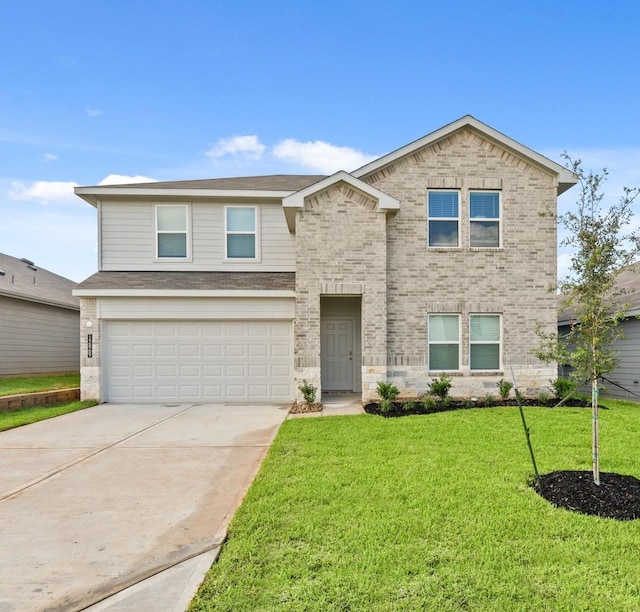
[[123, 179], [321, 156], [93, 112], [46, 191], [247, 147], [50, 157]]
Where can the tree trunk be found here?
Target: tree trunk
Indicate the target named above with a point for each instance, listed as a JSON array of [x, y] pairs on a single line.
[[595, 437]]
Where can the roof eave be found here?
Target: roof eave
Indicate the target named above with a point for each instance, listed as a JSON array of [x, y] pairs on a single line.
[[93, 195], [36, 300]]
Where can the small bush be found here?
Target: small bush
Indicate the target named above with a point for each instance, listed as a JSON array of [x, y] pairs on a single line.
[[409, 405], [388, 393], [429, 403], [563, 387], [488, 400], [543, 397], [308, 392], [504, 388], [440, 386]]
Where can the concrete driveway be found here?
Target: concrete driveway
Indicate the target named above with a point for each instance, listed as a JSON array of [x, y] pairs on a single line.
[[97, 500]]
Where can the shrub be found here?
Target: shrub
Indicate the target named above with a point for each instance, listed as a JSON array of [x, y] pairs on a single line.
[[563, 387], [429, 403], [543, 398], [504, 388], [488, 400], [308, 392], [440, 386], [388, 393]]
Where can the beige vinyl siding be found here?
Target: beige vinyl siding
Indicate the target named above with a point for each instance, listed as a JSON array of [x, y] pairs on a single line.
[[128, 239], [36, 338]]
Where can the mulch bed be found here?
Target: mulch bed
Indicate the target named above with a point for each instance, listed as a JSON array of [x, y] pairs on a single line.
[[407, 407], [302, 407], [617, 497]]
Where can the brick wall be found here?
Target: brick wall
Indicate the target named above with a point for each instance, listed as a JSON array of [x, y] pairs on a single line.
[[340, 250], [512, 280]]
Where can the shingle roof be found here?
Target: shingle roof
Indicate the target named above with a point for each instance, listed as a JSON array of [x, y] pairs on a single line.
[[275, 182], [221, 281], [628, 281], [24, 281]]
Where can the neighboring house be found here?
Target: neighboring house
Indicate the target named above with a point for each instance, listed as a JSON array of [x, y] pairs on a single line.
[[432, 258], [624, 381], [39, 320]]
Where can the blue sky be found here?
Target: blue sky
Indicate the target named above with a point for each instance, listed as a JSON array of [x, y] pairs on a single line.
[[96, 91]]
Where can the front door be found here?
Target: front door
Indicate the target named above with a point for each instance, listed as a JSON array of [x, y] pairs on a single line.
[[337, 351]]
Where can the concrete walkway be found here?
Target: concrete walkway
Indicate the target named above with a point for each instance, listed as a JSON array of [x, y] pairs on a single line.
[[98, 500]]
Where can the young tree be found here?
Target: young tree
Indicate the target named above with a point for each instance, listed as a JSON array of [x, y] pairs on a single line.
[[604, 244]]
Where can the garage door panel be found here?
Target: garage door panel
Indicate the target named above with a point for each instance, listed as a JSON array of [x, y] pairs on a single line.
[[198, 360], [212, 370]]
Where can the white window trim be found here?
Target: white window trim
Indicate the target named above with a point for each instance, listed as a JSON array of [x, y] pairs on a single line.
[[187, 232], [497, 219], [429, 219], [499, 342], [256, 233], [430, 342]]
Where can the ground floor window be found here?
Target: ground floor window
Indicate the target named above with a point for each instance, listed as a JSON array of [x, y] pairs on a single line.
[[484, 342], [444, 342]]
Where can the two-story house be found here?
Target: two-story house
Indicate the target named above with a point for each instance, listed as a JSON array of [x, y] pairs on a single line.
[[433, 258]]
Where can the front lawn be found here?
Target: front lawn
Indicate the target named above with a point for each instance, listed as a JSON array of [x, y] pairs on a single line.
[[26, 416], [429, 513], [16, 385]]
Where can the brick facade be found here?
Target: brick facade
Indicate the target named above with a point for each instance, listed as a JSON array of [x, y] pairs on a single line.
[[343, 246], [341, 250]]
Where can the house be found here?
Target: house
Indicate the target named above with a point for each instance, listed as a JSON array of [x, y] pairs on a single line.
[[432, 258], [624, 381], [39, 319]]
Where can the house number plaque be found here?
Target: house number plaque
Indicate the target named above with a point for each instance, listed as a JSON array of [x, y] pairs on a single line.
[[89, 345]]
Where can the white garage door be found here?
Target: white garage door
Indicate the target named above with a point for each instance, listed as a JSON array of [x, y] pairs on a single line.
[[198, 361]]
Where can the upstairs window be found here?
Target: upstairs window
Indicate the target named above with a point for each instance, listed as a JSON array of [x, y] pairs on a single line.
[[484, 336], [241, 235], [444, 342], [484, 216], [171, 231], [443, 207]]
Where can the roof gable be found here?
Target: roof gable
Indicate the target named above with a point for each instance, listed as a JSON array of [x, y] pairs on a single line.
[[565, 178], [295, 201]]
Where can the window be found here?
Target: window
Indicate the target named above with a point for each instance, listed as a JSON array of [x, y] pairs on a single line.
[[444, 342], [484, 214], [171, 231], [484, 336], [443, 218], [241, 222]]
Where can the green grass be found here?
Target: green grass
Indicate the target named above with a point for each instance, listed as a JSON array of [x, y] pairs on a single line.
[[26, 416], [429, 513], [31, 384]]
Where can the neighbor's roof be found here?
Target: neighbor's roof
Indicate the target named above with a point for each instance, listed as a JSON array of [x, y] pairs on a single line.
[[22, 279], [187, 281], [628, 281]]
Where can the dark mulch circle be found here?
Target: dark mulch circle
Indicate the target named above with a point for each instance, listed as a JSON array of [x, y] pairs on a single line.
[[617, 497]]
